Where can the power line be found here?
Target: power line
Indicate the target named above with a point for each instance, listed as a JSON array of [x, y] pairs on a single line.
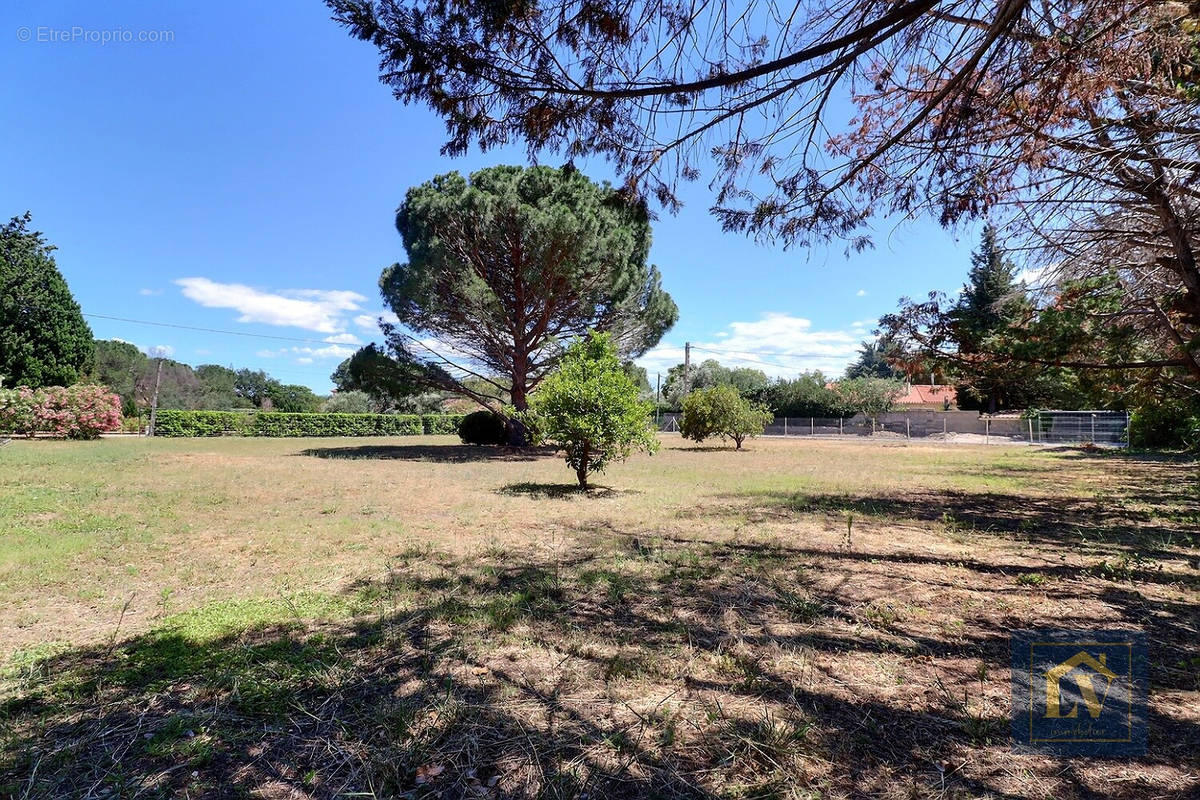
[[206, 330], [274, 370]]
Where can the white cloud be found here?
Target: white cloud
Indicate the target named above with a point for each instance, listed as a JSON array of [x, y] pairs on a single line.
[[149, 292], [778, 344], [159, 351], [343, 338], [370, 322], [861, 293], [332, 351], [311, 309], [307, 355], [1032, 277]]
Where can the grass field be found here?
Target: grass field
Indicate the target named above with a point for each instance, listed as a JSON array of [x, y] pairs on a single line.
[[411, 617]]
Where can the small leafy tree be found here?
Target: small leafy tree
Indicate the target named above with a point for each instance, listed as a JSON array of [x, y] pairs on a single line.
[[590, 408], [748, 420], [722, 411]]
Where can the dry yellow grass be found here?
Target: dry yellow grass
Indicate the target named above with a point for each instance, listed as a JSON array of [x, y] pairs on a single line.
[[807, 618]]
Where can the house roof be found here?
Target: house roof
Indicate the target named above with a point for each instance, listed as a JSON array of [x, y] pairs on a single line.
[[924, 394]]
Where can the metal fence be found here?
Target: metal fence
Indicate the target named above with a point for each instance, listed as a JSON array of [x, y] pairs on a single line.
[[1046, 427], [1071, 427]]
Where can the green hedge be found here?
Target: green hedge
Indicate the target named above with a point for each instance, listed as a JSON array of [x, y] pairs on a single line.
[[272, 423], [169, 422], [436, 424]]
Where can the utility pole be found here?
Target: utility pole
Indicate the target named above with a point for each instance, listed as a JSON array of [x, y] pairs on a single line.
[[154, 400], [687, 367]]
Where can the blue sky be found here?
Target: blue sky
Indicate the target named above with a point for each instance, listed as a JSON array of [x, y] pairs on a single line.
[[242, 173]]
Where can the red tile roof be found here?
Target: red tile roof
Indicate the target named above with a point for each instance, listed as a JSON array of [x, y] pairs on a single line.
[[928, 395]]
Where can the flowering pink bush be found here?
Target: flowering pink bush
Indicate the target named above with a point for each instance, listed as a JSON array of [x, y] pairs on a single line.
[[82, 411], [18, 410]]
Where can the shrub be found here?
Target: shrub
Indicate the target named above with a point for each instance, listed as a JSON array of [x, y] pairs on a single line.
[[271, 423], [441, 424], [1166, 424], [591, 408], [18, 410], [348, 402], [483, 427], [722, 411], [278, 424], [171, 422], [82, 411]]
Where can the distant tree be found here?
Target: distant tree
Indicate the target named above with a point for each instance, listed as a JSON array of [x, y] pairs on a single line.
[[748, 381], [971, 338], [710, 372], [870, 396], [178, 386], [342, 380], [351, 402], [218, 387], [707, 373], [293, 398], [44, 340], [391, 384], [119, 366], [509, 263], [807, 395], [590, 408], [253, 385], [871, 362], [991, 301], [639, 376], [721, 411]]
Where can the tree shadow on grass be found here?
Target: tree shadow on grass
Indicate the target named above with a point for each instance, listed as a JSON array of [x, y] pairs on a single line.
[[628, 674], [1121, 454], [1152, 521], [705, 448], [446, 454], [558, 491]]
